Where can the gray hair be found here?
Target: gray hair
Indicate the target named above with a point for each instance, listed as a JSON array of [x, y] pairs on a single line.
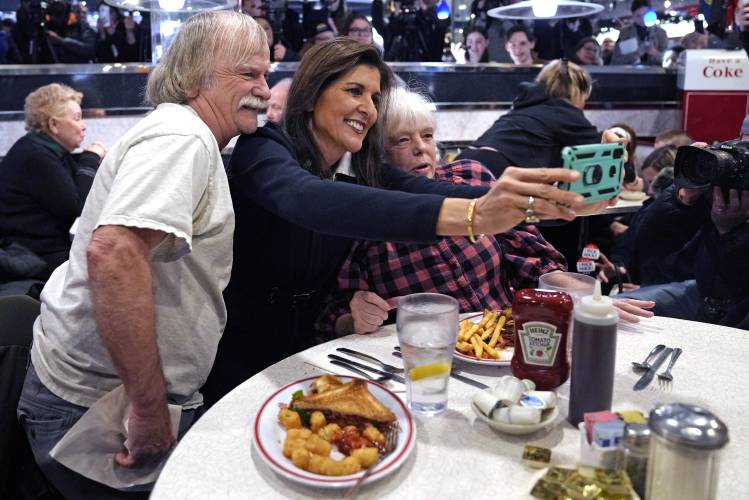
[[406, 110], [47, 102], [189, 64]]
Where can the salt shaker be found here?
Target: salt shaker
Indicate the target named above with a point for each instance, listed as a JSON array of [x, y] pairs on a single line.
[[684, 453], [636, 444]]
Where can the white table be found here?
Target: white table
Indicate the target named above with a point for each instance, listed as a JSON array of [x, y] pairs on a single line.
[[457, 456]]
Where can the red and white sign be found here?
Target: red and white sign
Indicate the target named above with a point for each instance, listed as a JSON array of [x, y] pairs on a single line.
[[714, 70]]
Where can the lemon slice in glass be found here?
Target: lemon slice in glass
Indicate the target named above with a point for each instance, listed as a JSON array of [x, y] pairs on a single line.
[[431, 370]]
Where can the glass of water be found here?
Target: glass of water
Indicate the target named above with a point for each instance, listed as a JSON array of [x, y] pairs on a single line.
[[427, 331]]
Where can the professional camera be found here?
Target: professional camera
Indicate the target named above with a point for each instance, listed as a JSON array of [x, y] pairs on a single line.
[[409, 29], [723, 165]]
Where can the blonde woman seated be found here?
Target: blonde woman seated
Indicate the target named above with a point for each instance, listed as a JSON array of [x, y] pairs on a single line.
[[479, 275]]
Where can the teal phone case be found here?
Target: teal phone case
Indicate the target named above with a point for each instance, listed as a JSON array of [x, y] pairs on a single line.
[[600, 167]]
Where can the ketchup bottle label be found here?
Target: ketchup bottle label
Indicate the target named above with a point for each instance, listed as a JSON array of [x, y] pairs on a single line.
[[539, 342]]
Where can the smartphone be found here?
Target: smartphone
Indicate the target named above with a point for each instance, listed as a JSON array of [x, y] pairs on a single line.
[[600, 167]]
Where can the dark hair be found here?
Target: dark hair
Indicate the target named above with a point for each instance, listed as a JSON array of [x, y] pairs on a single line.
[[587, 39], [322, 65], [663, 180], [637, 4], [520, 28], [660, 158], [350, 20], [476, 29]]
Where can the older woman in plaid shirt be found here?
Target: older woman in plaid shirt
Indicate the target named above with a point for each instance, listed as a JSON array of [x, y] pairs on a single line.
[[479, 275]]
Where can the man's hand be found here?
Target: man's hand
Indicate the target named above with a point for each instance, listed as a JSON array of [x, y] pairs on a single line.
[[727, 215], [149, 437], [97, 148], [631, 310], [369, 311], [607, 269]]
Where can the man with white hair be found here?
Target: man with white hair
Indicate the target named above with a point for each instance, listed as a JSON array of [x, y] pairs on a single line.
[[277, 102], [130, 324]]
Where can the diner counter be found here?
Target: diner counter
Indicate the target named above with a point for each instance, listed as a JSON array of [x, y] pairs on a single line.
[[457, 455]]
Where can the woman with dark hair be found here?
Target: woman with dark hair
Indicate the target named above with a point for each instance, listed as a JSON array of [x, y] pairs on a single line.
[[588, 52], [477, 46], [303, 194], [359, 28]]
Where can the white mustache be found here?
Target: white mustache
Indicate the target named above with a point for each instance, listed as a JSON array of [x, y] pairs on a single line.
[[253, 102]]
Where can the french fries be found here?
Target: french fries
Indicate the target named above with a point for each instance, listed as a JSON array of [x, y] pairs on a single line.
[[483, 340]]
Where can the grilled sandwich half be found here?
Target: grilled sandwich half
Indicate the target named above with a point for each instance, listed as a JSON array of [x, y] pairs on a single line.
[[350, 399]]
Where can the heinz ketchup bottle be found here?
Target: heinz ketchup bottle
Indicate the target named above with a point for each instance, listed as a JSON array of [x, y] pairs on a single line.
[[542, 324]]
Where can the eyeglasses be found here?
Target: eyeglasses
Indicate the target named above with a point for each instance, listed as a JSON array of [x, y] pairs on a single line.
[[360, 31]]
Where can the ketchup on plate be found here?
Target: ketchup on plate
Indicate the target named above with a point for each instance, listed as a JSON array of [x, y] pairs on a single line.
[[542, 324]]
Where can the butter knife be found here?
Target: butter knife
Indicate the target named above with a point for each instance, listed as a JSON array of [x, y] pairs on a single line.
[[362, 366], [648, 376]]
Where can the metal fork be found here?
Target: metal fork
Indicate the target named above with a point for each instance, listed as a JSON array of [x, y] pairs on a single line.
[[391, 441], [367, 357], [645, 365], [665, 379], [380, 379]]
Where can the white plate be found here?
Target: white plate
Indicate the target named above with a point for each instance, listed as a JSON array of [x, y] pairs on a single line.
[[505, 355], [547, 418], [268, 436], [632, 195]]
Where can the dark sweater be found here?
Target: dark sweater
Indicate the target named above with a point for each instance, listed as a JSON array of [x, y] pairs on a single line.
[[42, 191], [293, 232]]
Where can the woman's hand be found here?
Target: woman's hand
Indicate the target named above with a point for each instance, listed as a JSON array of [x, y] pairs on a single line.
[[369, 311], [631, 310], [97, 148], [505, 205], [458, 52], [279, 52]]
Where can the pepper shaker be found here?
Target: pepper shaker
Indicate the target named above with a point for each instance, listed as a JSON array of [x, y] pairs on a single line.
[[636, 444], [684, 456]]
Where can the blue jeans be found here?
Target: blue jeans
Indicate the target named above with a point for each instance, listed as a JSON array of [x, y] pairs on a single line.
[[680, 300], [45, 418]]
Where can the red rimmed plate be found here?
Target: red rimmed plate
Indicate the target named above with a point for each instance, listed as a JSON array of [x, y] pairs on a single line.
[[505, 354], [268, 437]]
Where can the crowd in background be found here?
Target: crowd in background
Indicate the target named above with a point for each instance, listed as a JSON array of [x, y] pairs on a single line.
[[415, 30]]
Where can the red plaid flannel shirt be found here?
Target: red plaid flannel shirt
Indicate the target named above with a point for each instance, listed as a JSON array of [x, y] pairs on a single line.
[[481, 275]]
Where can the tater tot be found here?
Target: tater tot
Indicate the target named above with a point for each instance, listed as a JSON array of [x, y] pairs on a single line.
[[300, 457], [292, 444], [373, 434], [366, 456], [318, 445], [316, 463], [298, 433], [289, 419], [317, 421], [348, 465], [329, 431]]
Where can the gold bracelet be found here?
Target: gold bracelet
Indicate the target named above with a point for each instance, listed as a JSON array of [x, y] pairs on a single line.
[[469, 221]]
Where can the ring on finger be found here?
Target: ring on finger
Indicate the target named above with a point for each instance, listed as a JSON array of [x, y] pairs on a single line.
[[530, 214]]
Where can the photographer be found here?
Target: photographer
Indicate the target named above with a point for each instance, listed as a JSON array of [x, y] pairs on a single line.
[[414, 32], [713, 264], [638, 43], [119, 37], [53, 33]]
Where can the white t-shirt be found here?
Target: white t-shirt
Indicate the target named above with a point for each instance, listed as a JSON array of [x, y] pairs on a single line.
[[164, 174]]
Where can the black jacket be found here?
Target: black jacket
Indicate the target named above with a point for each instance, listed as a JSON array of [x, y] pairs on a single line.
[[293, 232], [534, 131], [663, 226], [42, 191]]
